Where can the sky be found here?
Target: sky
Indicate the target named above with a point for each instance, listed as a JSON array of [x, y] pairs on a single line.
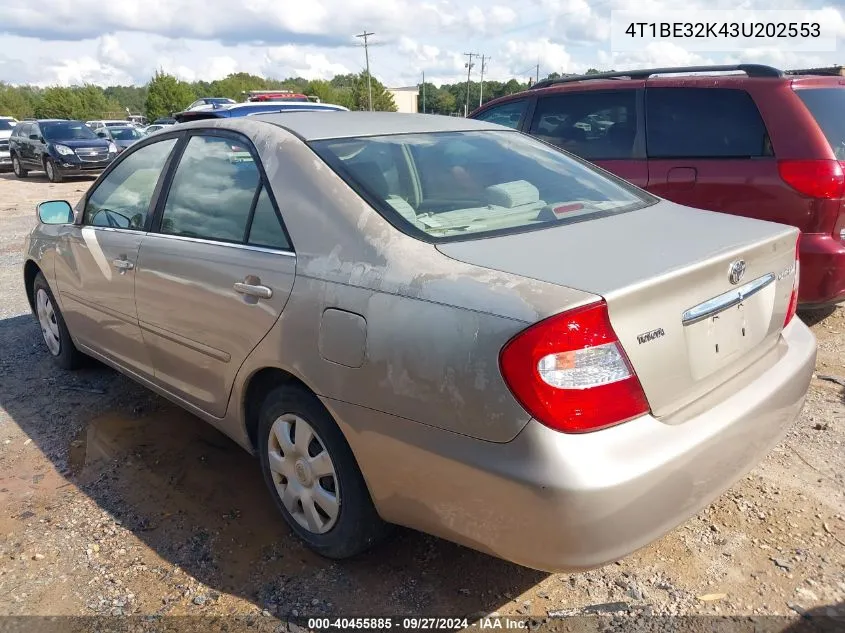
[[56, 42]]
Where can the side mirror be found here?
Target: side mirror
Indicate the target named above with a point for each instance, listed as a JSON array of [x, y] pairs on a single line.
[[55, 212], [102, 134], [34, 137]]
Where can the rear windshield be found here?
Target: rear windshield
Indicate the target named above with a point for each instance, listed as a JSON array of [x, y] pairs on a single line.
[[827, 106], [452, 185]]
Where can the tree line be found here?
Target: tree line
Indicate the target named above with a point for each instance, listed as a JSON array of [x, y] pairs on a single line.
[[164, 94]]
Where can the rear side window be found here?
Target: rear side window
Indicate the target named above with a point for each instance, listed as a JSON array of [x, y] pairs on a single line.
[[266, 230], [704, 123], [212, 191], [508, 114], [593, 125], [827, 105]]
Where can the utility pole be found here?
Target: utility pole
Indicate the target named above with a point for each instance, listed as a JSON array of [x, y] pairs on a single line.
[[484, 61], [469, 66], [423, 92], [537, 76], [365, 35]]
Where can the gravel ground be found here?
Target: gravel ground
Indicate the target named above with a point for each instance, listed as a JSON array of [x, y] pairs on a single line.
[[114, 502]]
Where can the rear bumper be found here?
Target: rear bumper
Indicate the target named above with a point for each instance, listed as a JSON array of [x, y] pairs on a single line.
[[822, 270], [561, 502]]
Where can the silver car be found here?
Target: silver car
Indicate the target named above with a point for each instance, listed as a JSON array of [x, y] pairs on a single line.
[[434, 322]]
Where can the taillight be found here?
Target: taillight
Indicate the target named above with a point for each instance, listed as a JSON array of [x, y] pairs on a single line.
[[571, 374], [814, 178], [793, 299]]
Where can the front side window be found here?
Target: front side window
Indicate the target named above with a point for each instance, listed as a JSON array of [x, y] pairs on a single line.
[[454, 185], [66, 131], [593, 125], [122, 199], [508, 114], [212, 191], [704, 123]]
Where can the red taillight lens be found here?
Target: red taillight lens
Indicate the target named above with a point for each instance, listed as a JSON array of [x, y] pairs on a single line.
[[570, 372], [793, 299], [814, 178]]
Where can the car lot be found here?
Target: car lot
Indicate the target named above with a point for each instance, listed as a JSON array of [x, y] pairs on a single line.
[[115, 501]]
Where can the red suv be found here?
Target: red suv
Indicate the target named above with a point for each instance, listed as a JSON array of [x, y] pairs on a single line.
[[762, 144]]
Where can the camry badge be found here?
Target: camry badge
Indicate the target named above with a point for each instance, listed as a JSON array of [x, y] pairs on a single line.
[[736, 271]]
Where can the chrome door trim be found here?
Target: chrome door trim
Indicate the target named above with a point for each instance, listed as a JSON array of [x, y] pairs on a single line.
[[247, 247], [726, 300]]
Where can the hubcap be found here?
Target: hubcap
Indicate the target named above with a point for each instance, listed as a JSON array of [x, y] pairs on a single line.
[[16, 165], [304, 474], [48, 322]]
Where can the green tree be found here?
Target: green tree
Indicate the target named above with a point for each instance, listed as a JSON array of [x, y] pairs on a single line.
[[132, 97], [445, 102], [16, 102], [166, 95], [382, 99], [59, 103]]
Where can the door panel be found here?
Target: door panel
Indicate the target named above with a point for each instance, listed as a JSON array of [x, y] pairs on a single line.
[[709, 148], [215, 279], [197, 326], [96, 262], [95, 277]]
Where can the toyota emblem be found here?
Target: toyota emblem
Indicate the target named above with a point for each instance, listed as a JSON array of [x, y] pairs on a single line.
[[737, 271]]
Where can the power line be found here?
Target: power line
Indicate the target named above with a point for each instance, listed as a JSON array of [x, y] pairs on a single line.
[[365, 35], [469, 66]]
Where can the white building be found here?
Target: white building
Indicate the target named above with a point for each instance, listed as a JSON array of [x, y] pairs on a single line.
[[405, 98]]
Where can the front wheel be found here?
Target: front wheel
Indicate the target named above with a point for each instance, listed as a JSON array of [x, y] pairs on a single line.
[[20, 172], [53, 174], [53, 328], [313, 476]]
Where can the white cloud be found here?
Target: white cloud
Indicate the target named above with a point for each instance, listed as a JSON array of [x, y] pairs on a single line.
[[126, 41]]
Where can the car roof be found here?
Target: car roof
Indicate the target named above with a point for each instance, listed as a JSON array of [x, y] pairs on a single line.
[[312, 126]]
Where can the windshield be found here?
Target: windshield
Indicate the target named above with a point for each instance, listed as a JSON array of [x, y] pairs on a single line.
[[450, 185], [5, 124], [827, 106], [125, 133], [67, 131]]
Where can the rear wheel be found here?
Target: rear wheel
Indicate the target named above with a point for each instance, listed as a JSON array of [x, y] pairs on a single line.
[[20, 172], [313, 476], [53, 174], [53, 329]]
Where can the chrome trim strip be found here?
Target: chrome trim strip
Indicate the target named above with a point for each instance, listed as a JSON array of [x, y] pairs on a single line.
[[247, 247], [729, 299]]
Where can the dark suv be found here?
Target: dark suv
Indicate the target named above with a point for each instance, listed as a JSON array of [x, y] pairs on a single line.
[[762, 144], [60, 148]]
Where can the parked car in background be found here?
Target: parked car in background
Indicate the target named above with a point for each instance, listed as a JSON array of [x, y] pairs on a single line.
[[7, 124], [250, 109], [155, 127], [99, 125], [138, 119], [762, 144], [60, 148], [122, 136], [441, 323], [165, 121], [210, 101]]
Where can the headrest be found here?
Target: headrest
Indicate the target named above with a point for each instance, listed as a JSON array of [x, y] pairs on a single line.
[[513, 194]]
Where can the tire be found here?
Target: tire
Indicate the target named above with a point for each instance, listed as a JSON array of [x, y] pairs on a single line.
[[17, 168], [53, 174], [53, 329], [355, 526]]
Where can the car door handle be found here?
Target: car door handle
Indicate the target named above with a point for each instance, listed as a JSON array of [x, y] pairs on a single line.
[[123, 264], [262, 292]]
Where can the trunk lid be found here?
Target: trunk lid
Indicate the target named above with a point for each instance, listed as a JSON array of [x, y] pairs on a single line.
[[664, 272]]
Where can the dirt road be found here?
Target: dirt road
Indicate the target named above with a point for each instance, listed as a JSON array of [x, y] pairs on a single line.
[[113, 501]]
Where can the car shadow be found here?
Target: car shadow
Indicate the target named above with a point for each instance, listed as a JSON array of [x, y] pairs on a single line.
[[813, 316], [198, 501]]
